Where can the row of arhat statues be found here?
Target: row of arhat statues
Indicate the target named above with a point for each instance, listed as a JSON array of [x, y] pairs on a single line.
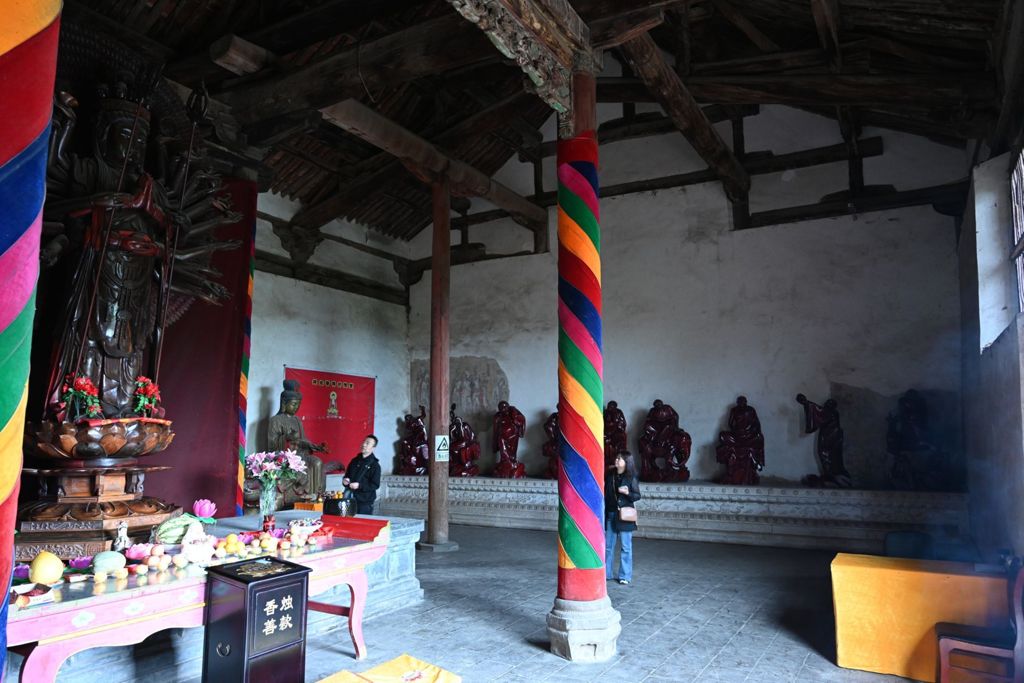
[[664, 445]]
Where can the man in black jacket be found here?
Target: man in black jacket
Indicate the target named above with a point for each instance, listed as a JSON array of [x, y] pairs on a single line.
[[362, 477]]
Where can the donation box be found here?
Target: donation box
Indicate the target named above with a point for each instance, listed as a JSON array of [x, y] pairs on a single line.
[[255, 622]]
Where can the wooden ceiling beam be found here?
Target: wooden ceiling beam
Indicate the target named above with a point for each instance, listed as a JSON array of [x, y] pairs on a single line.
[[648, 63], [652, 123], [756, 163], [543, 37], [826, 21], [608, 33], [382, 169], [428, 48], [413, 150], [948, 197], [915, 90], [735, 17], [267, 262], [295, 32], [425, 49]]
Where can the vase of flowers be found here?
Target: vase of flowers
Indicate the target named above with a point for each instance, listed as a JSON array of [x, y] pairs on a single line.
[[80, 399], [146, 395], [270, 468]]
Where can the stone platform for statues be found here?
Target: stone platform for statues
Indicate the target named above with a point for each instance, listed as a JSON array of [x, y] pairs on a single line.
[[848, 520]]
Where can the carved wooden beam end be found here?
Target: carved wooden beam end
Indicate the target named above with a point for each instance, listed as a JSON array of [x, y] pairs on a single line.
[[542, 36]]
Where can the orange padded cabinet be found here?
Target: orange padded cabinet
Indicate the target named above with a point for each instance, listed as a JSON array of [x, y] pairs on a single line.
[[886, 610]]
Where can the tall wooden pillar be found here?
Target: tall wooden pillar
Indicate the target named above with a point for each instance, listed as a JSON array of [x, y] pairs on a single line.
[[583, 626], [440, 285]]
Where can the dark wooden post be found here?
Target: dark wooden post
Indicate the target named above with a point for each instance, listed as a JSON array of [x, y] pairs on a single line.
[[440, 284]]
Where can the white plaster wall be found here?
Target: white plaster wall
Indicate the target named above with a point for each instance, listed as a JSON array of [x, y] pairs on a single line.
[[303, 325], [993, 221], [695, 314]]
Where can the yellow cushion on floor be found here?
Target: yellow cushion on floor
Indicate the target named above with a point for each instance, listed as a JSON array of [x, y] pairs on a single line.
[[343, 677], [406, 669]]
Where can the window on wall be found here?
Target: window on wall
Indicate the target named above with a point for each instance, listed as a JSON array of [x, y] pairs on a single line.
[[1017, 256]]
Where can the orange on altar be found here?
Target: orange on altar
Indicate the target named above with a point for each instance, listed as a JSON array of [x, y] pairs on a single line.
[[886, 609]]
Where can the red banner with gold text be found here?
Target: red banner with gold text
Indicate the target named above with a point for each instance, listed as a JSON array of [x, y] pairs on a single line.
[[336, 409]]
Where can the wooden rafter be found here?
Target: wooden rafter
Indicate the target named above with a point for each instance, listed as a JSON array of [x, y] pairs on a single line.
[[648, 63], [746, 26], [329, 277], [652, 123], [826, 21], [424, 49], [757, 163], [418, 153], [293, 32], [914, 90], [948, 197], [383, 170]]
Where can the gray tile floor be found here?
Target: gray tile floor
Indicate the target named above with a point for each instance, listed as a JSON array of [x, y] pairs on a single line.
[[695, 612]]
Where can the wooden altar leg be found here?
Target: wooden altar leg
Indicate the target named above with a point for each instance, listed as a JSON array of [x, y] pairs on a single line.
[[41, 664], [357, 586]]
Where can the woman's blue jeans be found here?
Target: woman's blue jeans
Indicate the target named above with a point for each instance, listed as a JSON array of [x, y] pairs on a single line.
[[625, 556]]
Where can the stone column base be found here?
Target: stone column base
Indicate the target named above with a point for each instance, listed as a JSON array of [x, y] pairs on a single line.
[[584, 631], [443, 547]]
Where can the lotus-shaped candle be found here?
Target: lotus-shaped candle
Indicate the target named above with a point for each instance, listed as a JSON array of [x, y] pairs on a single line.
[[139, 551], [205, 510]]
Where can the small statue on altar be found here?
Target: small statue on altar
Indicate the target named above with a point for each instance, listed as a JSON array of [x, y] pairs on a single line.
[[917, 463], [664, 446], [552, 445], [464, 447], [825, 421], [414, 455], [285, 432], [121, 541], [509, 427], [741, 448], [614, 433]]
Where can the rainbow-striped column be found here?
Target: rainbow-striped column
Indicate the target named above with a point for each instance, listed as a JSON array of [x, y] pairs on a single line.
[[28, 63], [243, 380], [583, 626], [580, 374]]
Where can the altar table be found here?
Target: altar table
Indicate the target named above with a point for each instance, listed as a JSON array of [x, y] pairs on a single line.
[[86, 615], [886, 609]]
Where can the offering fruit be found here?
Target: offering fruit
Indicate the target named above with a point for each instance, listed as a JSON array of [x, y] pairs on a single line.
[[99, 577], [157, 550], [174, 530], [141, 569], [46, 568], [120, 573], [179, 561], [108, 561]]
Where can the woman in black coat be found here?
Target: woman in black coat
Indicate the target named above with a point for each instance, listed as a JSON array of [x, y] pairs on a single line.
[[621, 490]]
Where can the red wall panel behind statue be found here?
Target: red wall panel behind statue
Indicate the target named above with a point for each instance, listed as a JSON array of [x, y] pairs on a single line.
[[336, 409], [199, 378]]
